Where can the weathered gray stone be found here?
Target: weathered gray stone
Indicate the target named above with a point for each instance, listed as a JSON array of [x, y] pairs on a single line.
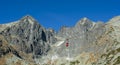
[[29, 36], [81, 36], [90, 43]]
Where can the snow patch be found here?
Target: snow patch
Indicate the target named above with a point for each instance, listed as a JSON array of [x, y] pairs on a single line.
[[68, 58], [59, 43]]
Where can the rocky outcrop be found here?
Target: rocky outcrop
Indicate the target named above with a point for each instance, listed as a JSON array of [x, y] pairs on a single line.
[[90, 43], [82, 35], [28, 36], [10, 56], [111, 53]]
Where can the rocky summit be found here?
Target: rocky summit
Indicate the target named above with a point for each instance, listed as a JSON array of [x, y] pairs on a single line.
[[26, 42]]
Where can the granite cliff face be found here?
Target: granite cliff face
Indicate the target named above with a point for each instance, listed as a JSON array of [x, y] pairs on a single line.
[[28, 36], [82, 35], [90, 43]]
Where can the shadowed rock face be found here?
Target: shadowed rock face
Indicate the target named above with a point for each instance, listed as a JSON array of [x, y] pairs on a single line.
[[28, 36]]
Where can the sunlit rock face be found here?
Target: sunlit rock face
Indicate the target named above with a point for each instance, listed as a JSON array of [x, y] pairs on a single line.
[[111, 53], [82, 35], [26, 42]]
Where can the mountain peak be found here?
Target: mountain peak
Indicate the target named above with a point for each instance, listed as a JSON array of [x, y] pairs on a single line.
[[84, 18], [83, 21], [28, 18]]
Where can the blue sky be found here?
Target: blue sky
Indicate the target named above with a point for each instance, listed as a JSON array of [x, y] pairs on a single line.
[[55, 13]]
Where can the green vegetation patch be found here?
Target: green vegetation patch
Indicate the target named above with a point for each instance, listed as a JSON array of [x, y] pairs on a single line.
[[74, 62]]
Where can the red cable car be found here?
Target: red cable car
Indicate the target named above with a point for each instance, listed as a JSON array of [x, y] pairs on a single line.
[[67, 44]]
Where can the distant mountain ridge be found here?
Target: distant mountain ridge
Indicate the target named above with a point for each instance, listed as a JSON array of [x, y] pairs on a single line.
[[90, 43]]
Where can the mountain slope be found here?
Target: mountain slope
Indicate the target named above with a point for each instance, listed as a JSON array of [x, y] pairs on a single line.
[[27, 36], [89, 43]]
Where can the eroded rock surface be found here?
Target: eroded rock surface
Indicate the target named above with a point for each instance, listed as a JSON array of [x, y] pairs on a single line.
[[90, 43]]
